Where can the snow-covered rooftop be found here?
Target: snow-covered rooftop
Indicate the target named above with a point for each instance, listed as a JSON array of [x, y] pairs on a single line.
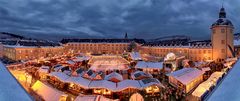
[[47, 92], [43, 69], [82, 82], [114, 75], [115, 87], [135, 56], [103, 84], [60, 75], [186, 75], [149, 65], [80, 59], [71, 62], [140, 75], [10, 89], [58, 67], [92, 98], [228, 89], [150, 81], [205, 86], [128, 84], [236, 42]]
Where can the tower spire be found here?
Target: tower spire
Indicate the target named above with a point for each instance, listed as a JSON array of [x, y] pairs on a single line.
[[126, 36], [222, 13]]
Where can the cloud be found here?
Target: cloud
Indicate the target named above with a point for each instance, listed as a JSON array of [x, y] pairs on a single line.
[[112, 18]]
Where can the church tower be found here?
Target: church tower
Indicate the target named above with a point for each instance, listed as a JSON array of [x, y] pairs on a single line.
[[222, 37]]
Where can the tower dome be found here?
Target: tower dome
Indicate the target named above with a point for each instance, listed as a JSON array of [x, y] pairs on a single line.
[[222, 20]]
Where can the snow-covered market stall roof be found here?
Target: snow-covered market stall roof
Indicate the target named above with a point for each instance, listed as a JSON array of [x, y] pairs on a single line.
[[60, 75], [10, 89], [47, 92], [140, 75], [206, 85], [114, 87], [149, 65], [186, 75], [80, 59], [114, 75], [135, 56], [92, 98]]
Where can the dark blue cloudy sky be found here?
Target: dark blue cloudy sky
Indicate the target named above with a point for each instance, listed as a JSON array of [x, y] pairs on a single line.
[[53, 19]]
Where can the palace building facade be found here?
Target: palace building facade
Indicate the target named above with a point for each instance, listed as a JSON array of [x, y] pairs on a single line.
[[101, 46], [29, 49], [30, 52]]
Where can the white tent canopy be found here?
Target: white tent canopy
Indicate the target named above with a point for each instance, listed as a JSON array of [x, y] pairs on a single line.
[[186, 75], [205, 86], [46, 92]]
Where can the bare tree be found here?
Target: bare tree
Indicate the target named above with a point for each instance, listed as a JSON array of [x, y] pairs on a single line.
[[132, 46]]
